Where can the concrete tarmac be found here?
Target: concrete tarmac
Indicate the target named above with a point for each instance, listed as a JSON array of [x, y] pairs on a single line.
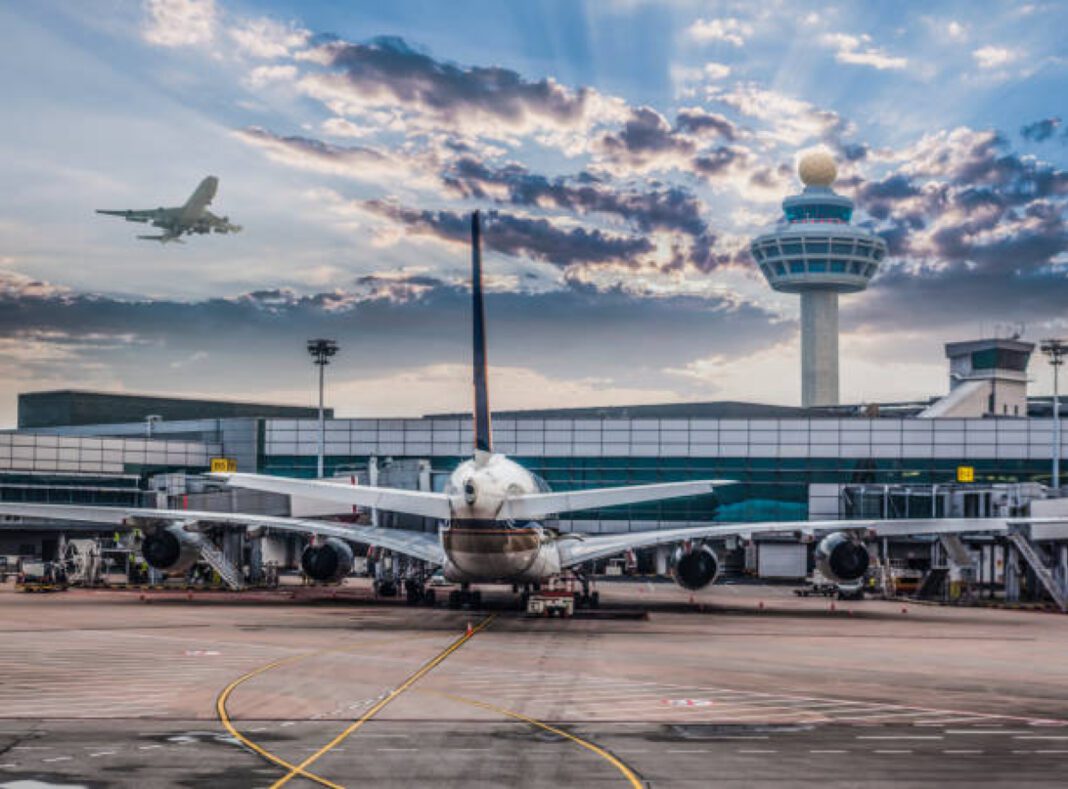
[[746, 686]]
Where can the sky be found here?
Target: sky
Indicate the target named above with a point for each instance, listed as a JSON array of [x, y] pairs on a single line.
[[623, 153]]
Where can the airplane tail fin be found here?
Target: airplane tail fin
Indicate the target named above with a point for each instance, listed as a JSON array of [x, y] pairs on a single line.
[[483, 432], [202, 196]]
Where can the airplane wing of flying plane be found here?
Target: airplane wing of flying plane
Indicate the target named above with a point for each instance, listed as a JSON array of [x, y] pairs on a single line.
[[192, 217], [489, 516]]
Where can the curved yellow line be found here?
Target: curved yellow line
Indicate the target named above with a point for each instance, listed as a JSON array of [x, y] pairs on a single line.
[[224, 696], [608, 756], [224, 718], [411, 680]]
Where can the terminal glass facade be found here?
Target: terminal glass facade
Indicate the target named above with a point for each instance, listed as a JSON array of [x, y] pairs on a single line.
[[773, 460]]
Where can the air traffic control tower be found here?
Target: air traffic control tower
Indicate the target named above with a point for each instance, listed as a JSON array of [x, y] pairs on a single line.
[[814, 251]]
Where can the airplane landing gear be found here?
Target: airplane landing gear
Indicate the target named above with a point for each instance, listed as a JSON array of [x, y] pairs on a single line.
[[586, 598], [416, 592], [465, 598]]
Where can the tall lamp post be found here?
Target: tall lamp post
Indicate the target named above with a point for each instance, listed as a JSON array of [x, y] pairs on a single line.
[[321, 350], [1056, 350]]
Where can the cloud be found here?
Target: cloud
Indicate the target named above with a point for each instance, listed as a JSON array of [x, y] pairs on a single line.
[[265, 75], [701, 122], [1042, 130], [713, 70], [430, 94], [179, 23], [359, 162], [645, 142], [342, 127], [788, 119], [267, 38], [256, 339], [858, 50], [992, 57], [728, 29], [969, 221], [519, 236], [659, 207]]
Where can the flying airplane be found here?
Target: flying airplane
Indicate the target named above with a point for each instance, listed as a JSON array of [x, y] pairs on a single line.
[[193, 217], [493, 518]]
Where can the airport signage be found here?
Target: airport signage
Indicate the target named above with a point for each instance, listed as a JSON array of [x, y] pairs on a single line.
[[965, 473], [223, 465]]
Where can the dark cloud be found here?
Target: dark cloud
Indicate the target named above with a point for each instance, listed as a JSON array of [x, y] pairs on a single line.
[[645, 140], [717, 161], [388, 70], [255, 341], [1040, 131], [696, 121], [671, 208], [974, 228], [535, 238]]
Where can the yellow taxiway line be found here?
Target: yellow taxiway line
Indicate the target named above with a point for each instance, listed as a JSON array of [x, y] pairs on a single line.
[[227, 722], [393, 694], [629, 774], [224, 718]]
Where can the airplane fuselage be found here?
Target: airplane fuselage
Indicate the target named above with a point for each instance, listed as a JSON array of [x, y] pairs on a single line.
[[478, 544]]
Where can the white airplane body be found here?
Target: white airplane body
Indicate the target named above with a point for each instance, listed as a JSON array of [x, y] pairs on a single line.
[[492, 518], [191, 217]]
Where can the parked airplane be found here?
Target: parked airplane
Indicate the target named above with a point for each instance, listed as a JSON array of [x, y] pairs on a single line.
[[193, 217], [492, 517]]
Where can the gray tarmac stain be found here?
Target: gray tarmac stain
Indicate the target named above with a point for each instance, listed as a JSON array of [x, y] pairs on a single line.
[[718, 731]]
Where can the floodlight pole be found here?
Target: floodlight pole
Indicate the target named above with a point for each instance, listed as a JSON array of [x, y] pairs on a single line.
[[321, 350], [1056, 350]]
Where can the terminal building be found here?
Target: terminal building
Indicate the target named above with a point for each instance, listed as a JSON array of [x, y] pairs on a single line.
[[868, 460]]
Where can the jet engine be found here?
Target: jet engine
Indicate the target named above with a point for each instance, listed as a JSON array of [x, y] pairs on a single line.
[[328, 562], [694, 568], [841, 558], [171, 549]]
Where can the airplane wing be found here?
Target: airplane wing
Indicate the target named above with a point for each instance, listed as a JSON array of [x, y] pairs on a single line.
[[140, 215], [576, 548], [436, 505], [537, 505], [420, 545], [412, 502]]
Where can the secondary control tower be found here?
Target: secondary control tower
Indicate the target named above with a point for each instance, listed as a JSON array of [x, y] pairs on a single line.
[[814, 251]]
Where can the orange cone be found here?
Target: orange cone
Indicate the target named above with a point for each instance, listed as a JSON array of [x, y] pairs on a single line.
[[470, 630]]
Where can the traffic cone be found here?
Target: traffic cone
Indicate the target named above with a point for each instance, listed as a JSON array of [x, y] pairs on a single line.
[[470, 630]]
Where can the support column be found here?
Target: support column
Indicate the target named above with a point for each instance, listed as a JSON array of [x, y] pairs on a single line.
[[819, 347], [1012, 574], [662, 552]]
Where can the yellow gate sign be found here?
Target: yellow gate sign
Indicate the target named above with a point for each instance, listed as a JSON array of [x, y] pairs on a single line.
[[964, 473], [223, 465]]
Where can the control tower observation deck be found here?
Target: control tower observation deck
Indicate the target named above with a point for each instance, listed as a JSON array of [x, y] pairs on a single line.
[[814, 251]]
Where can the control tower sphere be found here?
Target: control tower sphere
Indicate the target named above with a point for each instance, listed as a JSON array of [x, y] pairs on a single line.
[[814, 251], [817, 169]]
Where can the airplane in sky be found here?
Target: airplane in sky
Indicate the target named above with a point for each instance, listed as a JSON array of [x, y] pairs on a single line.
[[493, 517], [193, 217]]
